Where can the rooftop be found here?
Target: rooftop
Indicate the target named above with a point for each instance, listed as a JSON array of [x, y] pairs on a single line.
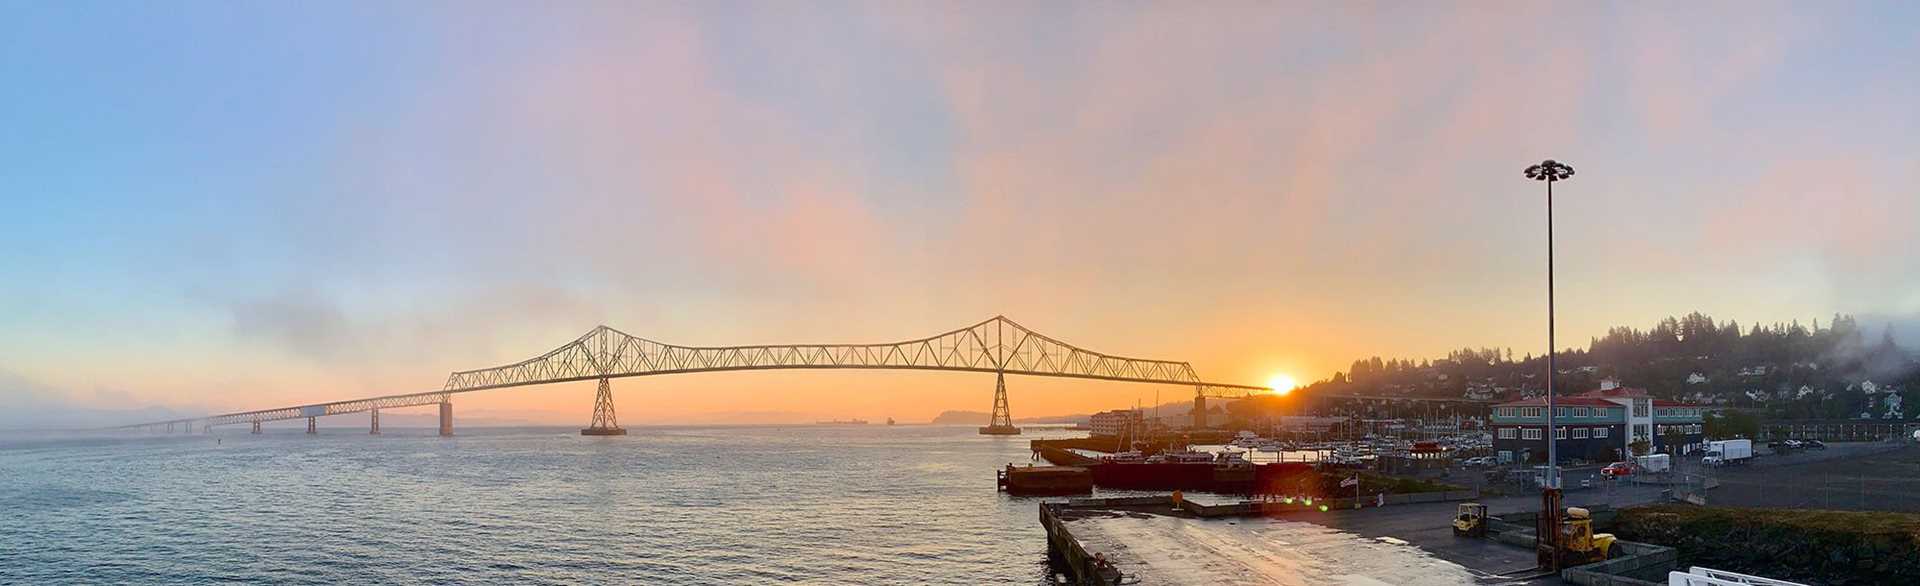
[[1595, 398]]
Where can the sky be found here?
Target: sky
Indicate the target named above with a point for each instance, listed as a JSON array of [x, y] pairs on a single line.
[[214, 206]]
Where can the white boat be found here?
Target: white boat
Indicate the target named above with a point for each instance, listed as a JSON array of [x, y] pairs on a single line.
[[1187, 456], [1126, 457]]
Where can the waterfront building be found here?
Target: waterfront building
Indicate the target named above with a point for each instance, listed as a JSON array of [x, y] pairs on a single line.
[[1596, 426], [1116, 422]]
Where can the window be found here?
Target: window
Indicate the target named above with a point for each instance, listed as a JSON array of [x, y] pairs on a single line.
[[1579, 433], [1640, 407], [1560, 433], [1506, 433], [1560, 411], [1531, 433], [1600, 433], [1506, 456]]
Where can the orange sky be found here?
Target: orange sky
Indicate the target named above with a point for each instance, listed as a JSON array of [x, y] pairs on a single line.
[[300, 207]]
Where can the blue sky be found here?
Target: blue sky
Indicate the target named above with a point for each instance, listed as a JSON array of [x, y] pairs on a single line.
[[215, 206]]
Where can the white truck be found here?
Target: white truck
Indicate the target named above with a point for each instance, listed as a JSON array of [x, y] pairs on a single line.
[[1723, 452], [1654, 463]]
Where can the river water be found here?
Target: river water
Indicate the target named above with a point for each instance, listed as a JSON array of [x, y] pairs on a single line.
[[664, 505]]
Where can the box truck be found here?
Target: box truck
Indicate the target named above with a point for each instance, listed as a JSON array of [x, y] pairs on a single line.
[[1654, 463], [1723, 452]]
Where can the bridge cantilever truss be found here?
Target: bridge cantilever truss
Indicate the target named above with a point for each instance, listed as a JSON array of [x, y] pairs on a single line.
[[997, 345]]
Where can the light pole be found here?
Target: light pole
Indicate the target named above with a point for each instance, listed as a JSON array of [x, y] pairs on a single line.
[[1550, 171]]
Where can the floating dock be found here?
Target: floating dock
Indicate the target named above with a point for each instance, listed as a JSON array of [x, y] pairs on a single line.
[[1045, 480], [1161, 540], [1150, 540]]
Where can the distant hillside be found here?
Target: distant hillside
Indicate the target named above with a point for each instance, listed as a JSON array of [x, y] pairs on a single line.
[[1075, 418], [981, 418], [1833, 370], [962, 418]]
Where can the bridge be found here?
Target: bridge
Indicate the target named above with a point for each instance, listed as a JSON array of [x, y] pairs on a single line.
[[998, 346]]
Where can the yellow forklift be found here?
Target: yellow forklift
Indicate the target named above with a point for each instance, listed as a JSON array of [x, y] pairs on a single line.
[[1565, 537], [1472, 520]]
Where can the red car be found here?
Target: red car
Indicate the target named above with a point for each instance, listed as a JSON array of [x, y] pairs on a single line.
[[1618, 469]]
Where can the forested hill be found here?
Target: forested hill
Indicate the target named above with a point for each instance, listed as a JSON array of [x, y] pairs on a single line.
[[1830, 370]]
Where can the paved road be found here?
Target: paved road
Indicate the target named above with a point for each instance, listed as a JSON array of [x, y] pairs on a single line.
[[1429, 526]]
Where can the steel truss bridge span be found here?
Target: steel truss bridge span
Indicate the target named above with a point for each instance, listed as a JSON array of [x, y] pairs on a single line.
[[998, 345]]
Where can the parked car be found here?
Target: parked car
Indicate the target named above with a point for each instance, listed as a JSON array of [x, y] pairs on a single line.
[[1478, 462], [1813, 444], [1618, 469]]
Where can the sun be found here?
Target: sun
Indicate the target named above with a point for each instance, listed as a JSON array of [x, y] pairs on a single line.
[[1281, 384]]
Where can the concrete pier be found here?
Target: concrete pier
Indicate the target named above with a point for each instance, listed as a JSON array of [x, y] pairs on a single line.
[[376, 423], [312, 427], [1153, 540], [446, 419], [256, 428]]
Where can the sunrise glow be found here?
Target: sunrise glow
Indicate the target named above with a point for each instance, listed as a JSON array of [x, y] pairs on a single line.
[[1281, 384]]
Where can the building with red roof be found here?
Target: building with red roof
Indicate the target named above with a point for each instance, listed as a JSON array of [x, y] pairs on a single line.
[[1600, 425]]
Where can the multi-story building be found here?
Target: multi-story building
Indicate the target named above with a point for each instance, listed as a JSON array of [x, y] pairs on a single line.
[[1116, 422], [1597, 426]]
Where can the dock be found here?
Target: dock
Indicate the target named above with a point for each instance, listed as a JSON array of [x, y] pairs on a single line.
[[1151, 540], [1045, 480], [1147, 540]]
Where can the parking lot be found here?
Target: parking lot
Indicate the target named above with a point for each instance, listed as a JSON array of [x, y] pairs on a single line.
[[1845, 476]]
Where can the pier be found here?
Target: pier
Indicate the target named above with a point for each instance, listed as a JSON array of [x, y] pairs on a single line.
[[1401, 539]]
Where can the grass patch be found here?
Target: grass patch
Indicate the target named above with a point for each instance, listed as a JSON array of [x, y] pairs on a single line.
[[1827, 547]]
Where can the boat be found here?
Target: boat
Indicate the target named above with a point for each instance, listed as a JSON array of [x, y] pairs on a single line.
[[842, 422], [1188, 456], [1126, 457], [889, 421]]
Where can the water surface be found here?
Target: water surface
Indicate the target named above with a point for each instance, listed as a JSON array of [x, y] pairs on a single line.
[[665, 505]]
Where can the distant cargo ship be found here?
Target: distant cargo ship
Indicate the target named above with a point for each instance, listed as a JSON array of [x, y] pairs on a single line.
[[840, 422]]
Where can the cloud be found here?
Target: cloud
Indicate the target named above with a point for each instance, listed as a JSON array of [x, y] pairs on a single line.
[[297, 319], [33, 405]]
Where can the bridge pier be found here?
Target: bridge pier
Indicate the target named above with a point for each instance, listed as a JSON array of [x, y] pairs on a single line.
[[312, 429], [446, 418], [1002, 423], [256, 428], [376, 423], [604, 422], [169, 428]]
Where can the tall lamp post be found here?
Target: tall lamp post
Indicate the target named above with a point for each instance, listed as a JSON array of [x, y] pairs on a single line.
[[1550, 171]]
